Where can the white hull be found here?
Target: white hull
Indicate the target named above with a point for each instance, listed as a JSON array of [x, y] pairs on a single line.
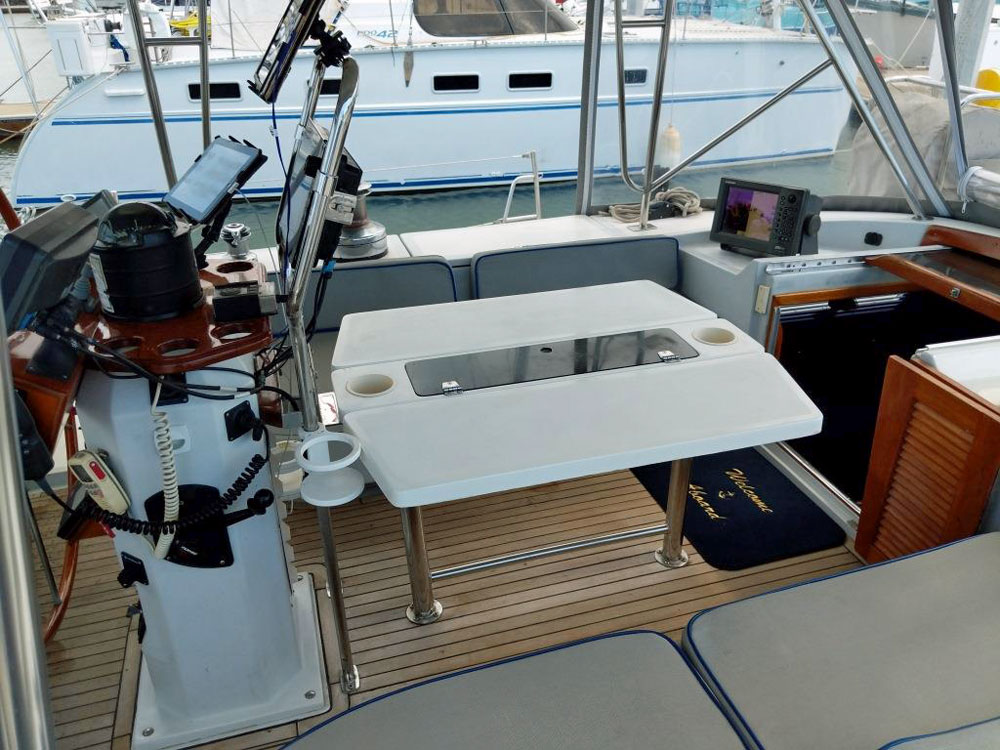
[[411, 138]]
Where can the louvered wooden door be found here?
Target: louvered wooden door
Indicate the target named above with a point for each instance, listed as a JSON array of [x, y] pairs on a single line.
[[934, 460]]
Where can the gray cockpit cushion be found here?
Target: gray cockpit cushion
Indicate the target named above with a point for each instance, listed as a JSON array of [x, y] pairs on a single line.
[[982, 736], [854, 661], [545, 268], [626, 691], [362, 286]]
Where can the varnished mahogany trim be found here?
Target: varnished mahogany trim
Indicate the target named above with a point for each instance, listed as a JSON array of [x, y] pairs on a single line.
[[975, 299], [911, 386], [963, 239], [790, 299]]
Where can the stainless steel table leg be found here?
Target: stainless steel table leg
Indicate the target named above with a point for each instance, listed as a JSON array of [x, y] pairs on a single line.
[[350, 680], [425, 609], [672, 555]]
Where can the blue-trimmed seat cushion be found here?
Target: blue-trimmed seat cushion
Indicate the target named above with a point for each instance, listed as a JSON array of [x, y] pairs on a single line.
[[626, 691], [501, 273], [854, 661], [982, 736]]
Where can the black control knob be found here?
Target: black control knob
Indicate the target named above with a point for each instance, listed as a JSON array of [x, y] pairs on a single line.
[[260, 502], [812, 225]]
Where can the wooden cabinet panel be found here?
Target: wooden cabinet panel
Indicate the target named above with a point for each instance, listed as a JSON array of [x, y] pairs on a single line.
[[934, 460]]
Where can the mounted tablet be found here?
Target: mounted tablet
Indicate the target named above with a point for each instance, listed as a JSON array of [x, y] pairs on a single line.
[[222, 169], [757, 219], [293, 30]]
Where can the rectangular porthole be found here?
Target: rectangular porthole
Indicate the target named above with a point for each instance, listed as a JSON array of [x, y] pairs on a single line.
[[215, 91], [456, 82], [329, 87], [635, 77], [529, 81]]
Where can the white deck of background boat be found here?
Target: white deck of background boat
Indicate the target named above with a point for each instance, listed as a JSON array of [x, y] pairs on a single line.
[[489, 615]]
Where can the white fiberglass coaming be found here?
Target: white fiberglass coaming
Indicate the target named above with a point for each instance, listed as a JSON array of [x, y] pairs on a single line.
[[445, 113]]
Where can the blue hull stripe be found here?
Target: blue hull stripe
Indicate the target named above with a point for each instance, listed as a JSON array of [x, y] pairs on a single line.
[[444, 182], [139, 119]]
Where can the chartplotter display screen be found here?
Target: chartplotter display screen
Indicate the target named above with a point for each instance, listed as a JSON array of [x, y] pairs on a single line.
[[760, 219], [749, 213]]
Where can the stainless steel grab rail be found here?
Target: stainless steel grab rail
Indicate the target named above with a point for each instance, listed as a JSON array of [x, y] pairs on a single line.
[[535, 178], [646, 188], [149, 80]]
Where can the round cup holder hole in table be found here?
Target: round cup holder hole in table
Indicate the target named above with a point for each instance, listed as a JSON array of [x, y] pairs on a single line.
[[370, 385], [714, 336]]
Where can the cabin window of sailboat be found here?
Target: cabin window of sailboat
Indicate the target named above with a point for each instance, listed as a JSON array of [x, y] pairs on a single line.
[[532, 81], [456, 83], [329, 87], [635, 76], [220, 90]]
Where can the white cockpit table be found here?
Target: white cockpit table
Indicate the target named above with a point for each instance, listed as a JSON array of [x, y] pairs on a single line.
[[462, 441]]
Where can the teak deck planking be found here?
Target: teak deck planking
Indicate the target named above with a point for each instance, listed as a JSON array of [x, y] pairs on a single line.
[[492, 614]]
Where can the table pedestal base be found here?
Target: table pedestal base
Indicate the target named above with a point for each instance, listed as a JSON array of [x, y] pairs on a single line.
[[425, 608], [672, 554]]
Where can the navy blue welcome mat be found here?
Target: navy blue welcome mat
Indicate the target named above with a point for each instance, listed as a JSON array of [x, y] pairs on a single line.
[[742, 511]]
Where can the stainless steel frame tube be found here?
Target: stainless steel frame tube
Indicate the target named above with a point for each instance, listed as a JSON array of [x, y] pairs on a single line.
[[654, 115], [880, 93], [25, 711], [859, 104], [672, 172], [350, 679], [323, 186], [588, 106], [540, 552], [425, 608], [946, 39], [206, 98], [152, 93], [672, 555]]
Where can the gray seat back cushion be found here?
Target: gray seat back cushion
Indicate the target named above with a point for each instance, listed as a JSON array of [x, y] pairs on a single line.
[[982, 736], [589, 263], [632, 691], [376, 285], [857, 660]]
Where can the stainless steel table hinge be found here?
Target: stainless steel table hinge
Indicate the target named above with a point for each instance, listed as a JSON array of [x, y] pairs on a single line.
[[451, 388]]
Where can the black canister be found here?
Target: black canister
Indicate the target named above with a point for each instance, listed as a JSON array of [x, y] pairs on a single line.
[[144, 264]]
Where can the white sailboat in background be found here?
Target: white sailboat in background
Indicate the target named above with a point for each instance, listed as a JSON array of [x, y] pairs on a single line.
[[453, 99]]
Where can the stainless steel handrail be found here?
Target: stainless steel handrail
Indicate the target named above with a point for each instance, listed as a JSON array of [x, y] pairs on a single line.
[[535, 178], [654, 115], [622, 120], [25, 711], [980, 96], [153, 93], [646, 189]]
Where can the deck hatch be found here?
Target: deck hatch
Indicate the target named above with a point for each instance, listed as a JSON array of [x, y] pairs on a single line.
[[524, 364]]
